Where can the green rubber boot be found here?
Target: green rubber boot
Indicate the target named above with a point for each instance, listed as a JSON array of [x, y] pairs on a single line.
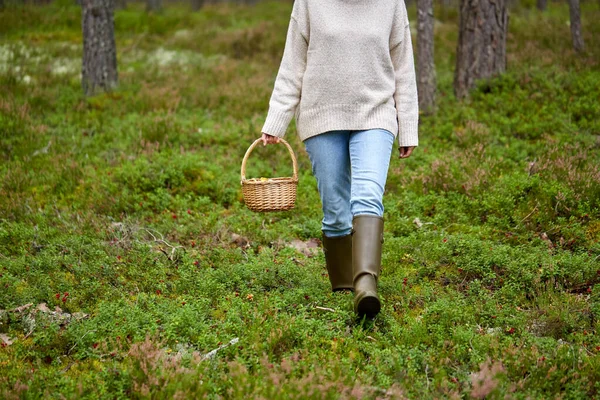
[[367, 239], [338, 259]]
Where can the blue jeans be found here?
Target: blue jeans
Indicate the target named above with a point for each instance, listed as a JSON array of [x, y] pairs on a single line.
[[351, 169]]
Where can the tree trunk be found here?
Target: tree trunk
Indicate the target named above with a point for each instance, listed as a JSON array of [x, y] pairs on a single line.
[[197, 4], [426, 82], [481, 51], [541, 5], [99, 67], [576, 36], [153, 5]]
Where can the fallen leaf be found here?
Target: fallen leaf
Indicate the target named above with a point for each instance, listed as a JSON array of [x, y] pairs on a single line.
[[5, 339], [22, 308], [45, 314], [43, 308], [313, 243], [545, 238], [79, 315], [309, 248], [240, 241]]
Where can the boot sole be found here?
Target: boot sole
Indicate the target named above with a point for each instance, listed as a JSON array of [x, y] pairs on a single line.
[[343, 289], [368, 306]]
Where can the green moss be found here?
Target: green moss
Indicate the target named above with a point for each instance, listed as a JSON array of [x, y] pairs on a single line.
[[130, 203]]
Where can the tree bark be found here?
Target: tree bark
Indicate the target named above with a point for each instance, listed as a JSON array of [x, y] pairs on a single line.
[[99, 67], [576, 35], [197, 4], [481, 50], [541, 5], [153, 5], [426, 82]]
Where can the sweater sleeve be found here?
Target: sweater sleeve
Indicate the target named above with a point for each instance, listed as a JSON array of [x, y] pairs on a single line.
[[288, 84], [405, 95]]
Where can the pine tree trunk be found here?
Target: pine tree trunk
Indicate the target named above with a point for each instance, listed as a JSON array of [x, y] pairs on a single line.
[[426, 82], [541, 5], [153, 5], [576, 25], [197, 4], [481, 51], [99, 67]]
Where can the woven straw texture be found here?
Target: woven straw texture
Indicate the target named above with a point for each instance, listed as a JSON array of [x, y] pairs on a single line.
[[272, 194]]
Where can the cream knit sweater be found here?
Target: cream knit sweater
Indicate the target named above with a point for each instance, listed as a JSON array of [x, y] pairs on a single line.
[[347, 65]]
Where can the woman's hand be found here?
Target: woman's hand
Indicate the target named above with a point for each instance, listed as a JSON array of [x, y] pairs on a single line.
[[405, 152], [268, 139]]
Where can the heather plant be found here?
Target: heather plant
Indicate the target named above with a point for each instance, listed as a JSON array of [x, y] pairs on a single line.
[[130, 268]]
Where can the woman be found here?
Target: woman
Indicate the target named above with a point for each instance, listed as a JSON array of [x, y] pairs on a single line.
[[347, 75]]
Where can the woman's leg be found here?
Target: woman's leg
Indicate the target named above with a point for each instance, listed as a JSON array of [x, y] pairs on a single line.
[[330, 159], [370, 153]]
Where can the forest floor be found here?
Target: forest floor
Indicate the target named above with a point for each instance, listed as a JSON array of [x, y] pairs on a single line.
[[127, 255]]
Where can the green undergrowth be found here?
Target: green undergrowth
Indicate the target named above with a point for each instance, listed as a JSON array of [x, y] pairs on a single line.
[[127, 254]]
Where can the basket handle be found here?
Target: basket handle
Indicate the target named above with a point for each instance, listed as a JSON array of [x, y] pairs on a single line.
[[256, 142]]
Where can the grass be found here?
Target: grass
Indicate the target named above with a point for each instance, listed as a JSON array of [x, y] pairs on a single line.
[[122, 213]]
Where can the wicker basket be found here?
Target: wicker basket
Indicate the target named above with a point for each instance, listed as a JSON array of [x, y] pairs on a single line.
[[272, 194]]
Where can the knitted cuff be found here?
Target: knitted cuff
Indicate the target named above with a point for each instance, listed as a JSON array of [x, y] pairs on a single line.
[[277, 122], [408, 134]]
